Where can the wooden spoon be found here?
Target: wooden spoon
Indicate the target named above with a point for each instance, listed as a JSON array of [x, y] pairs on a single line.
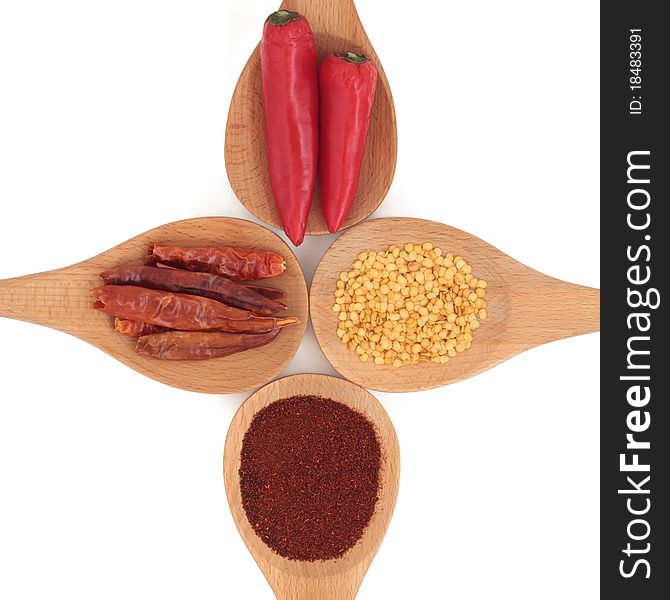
[[61, 299], [336, 28], [322, 580], [525, 308]]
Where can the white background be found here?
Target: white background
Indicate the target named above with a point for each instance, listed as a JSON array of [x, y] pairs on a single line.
[[112, 118]]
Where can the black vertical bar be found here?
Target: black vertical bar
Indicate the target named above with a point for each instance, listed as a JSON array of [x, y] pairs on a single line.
[[635, 561]]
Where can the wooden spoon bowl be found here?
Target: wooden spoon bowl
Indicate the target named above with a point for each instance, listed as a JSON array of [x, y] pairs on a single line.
[[61, 299], [337, 579], [525, 308], [336, 28]]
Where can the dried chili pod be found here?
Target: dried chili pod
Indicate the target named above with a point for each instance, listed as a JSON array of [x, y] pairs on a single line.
[[136, 328], [197, 345], [268, 292], [180, 311], [211, 286], [236, 263]]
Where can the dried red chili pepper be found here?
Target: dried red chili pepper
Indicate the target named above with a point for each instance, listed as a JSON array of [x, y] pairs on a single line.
[[235, 263], [290, 103], [309, 476], [347, 85], [196, 345], [136, 328], [180, 311], [211, 286], [268, 292]]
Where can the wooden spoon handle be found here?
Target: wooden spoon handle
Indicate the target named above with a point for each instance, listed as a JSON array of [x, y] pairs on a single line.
[[51, 299], [333, 21], [317, 7], [337, 587], [549, 309]]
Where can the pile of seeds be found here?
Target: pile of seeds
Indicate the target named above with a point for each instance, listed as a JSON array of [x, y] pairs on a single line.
[[408, 305]]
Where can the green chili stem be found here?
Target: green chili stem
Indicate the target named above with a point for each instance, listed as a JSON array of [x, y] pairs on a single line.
[[281, 17], [352, 57]]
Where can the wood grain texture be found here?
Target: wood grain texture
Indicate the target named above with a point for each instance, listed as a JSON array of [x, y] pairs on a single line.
[[525, 308], [336, 28], [322, 580], [61, 299]]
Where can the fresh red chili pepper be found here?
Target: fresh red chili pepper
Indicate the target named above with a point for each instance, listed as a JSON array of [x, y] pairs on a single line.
[[180, 311], [347, 89], [290, 102], [235, 263]]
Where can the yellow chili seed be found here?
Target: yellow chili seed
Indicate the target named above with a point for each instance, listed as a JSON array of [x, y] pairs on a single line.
[[408, 304]]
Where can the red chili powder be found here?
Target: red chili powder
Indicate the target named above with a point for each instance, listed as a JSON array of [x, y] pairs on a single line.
[[309, 476]]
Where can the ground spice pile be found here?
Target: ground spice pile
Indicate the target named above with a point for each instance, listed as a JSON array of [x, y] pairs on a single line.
[[309, 476]]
